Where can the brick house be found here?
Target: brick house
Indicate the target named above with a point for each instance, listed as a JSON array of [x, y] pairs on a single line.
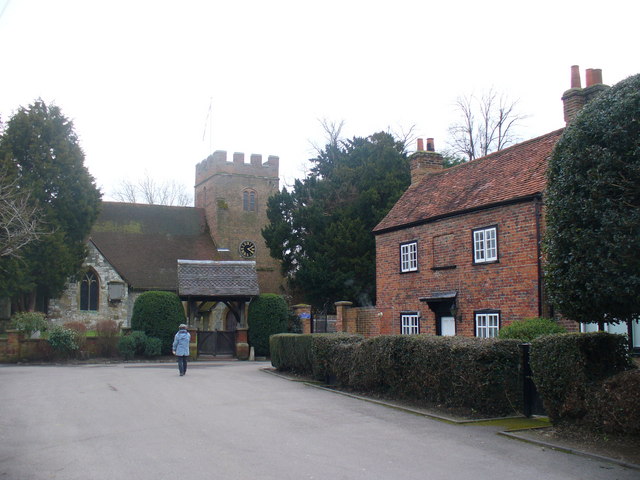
[[459, 253]]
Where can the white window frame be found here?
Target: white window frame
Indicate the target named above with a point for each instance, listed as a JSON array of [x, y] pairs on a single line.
[[487, 324], [485, 245], [410, 323], [409, 257]]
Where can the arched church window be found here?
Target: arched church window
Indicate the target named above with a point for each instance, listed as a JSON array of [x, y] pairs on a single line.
[[249, 201], [89, 291]]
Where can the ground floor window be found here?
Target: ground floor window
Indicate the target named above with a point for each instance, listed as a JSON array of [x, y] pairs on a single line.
[[487, 324], [410, 323], [89, 290]]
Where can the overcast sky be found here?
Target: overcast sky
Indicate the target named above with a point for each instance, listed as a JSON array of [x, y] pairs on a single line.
[[137, 77]]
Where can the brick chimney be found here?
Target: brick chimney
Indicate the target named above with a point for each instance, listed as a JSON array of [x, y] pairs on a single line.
[[425, 162], [577, 97]]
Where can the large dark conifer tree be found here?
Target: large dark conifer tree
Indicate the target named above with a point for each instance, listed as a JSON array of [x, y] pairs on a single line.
[[39, 149], [321, 230]]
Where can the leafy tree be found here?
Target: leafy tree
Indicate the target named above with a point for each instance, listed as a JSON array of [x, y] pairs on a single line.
[[40, 152], [321, 230], [593, 210], [486, 125]]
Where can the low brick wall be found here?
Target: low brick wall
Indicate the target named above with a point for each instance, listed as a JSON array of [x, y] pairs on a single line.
[[16, 348]]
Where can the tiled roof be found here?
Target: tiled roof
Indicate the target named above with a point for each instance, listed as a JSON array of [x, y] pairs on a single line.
[[144, 242], [217, 279], [517, 172]]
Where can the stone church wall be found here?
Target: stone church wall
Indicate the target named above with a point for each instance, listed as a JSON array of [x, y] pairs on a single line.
[[67, 307]]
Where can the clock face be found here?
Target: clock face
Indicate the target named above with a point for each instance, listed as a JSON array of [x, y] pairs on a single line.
[[247, 249]]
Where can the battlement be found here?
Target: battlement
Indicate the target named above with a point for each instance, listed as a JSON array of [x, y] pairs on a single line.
[[217, 163]]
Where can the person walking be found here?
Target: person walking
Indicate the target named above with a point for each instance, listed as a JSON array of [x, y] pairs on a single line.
[[181, 348]]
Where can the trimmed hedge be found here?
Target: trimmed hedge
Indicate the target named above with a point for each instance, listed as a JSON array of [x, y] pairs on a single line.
[[158, 314], [324, 353], [614, 408], [569, 369], [473, 374], [291, 352], [268, 315], [584, 378]]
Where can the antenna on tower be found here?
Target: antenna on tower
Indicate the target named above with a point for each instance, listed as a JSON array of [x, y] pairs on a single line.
[[209, 122]]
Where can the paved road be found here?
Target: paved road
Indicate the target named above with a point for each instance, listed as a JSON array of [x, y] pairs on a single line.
[[229, 420]]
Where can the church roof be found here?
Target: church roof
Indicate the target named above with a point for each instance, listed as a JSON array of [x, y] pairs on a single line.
[[513, 174], [144, 242], [222, 279]]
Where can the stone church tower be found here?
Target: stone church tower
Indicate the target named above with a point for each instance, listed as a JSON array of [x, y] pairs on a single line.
[[234, 196]]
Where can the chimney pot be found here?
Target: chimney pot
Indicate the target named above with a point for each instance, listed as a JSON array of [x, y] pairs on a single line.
[[575, 77], [420, 145], [596, 75], [430, 145], [589, 77]]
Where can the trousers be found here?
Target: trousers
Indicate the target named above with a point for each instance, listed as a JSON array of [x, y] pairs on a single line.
[[182, 364]]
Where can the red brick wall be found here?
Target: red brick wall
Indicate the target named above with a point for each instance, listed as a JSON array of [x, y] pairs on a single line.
[[509, 285]]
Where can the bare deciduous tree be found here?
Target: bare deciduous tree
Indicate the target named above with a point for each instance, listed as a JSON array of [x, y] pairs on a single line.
[[148, 190], [20, 222], [487, 124]]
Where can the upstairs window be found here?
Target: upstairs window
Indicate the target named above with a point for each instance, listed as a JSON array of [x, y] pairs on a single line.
[[409, 257], [487, 325], [89, 290], [485, 245], [249, 201], [410, 323]]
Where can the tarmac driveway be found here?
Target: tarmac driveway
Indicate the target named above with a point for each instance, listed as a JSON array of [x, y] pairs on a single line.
[[230, 420]]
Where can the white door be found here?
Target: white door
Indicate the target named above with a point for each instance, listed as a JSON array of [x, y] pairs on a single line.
[[447, 326]]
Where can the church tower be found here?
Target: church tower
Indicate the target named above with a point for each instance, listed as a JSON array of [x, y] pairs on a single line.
[[234, 196]]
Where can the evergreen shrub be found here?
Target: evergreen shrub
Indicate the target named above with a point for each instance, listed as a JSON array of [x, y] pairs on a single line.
[[152, 347], [127, 347], [268, 315], [324, 352], [139, 340], [29, 323], [291, 352], [81, 333], [63, 341], [158, 314], [475, 375], [530, 328], [569, 369], [614, 408]]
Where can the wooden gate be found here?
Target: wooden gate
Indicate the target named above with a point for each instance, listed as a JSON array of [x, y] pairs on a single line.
[[216, 343]]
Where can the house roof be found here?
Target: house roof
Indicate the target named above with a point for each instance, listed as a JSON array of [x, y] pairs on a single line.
[[144, 242], [515, 173], [217, 279]]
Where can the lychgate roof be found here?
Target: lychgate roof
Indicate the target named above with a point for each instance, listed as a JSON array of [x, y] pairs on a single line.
[[217, 279], [512, 174]]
